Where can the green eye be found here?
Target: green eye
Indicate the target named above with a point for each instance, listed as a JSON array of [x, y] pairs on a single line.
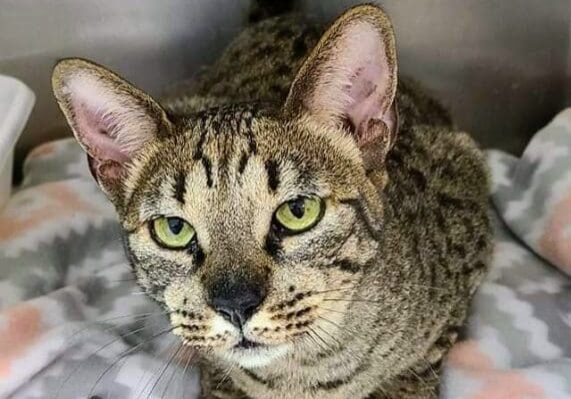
[[300, 214], [172, 232]]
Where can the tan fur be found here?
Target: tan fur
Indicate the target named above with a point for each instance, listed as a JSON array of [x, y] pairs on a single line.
[[363, 305]]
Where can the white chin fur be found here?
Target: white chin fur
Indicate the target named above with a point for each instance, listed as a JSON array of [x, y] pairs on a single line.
[[253, 358]]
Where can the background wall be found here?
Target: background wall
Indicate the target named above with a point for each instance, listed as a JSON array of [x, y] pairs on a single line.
[[504, 67]]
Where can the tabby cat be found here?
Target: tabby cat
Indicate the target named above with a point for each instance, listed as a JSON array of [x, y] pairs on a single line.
[[309, 238]]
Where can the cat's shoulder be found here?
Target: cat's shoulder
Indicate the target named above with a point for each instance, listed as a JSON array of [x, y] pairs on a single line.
[[446, 160], [429, 145]]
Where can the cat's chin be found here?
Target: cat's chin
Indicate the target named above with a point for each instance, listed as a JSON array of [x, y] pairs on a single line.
[[256, 356]]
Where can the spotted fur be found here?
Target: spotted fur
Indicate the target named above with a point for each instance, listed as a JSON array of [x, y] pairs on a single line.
[[363, 305]]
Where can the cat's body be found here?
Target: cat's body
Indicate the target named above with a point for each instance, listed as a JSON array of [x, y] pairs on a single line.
[[367, 300]]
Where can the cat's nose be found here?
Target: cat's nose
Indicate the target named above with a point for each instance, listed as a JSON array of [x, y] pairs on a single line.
[[237, 302]]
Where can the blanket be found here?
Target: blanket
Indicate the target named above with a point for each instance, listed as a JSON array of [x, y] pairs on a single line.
[[73, 323]]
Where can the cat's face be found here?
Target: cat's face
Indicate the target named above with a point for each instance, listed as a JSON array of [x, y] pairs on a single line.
[[250, 232], [252, 229]]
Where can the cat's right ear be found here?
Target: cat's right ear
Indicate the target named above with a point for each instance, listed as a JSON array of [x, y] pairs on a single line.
[[349, 81], [111, 119]]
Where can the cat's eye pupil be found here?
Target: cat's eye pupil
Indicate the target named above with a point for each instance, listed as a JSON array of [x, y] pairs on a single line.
[[175, 225], [297, 207]]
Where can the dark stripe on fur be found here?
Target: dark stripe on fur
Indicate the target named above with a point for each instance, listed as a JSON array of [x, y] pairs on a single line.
[[269, 383], [243, 162], [273, 244], [180, 187], [334, 384], [208, 170], [348, 266], [201, 140], [273, 170]]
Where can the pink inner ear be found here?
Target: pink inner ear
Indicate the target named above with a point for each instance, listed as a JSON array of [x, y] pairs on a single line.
[[366, 102], [95, 131], [358, 83]]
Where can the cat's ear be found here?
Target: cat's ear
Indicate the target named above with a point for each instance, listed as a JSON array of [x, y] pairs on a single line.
[[350, 78], [111, 119]]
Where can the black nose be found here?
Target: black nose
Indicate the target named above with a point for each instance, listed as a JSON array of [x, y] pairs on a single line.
[[237, 302]]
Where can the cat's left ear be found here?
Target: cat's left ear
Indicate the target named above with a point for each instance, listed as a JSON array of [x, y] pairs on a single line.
[[350, 79], [111, 119]]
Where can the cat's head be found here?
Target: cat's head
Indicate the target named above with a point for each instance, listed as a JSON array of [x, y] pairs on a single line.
[[253, 229]]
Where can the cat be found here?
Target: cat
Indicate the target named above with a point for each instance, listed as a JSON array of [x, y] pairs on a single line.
[[313, 223]]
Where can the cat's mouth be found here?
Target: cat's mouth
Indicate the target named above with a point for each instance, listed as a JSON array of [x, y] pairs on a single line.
[[246, 344], [250, 354]]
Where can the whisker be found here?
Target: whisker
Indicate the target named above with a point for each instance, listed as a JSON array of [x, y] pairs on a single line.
[[169, 381], [143, 377], [169, 362], [83, 362], [333, 310], [175, 369], [351, 331], [418, 377], [122, 280], [380, 302], [188, 361], [434, 372], [225, 376], [327, 346], [404, 285], [333, 323], [330, 336], [136, 317], [335, 290], [126, 353], [309, 336], [352, 300]]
